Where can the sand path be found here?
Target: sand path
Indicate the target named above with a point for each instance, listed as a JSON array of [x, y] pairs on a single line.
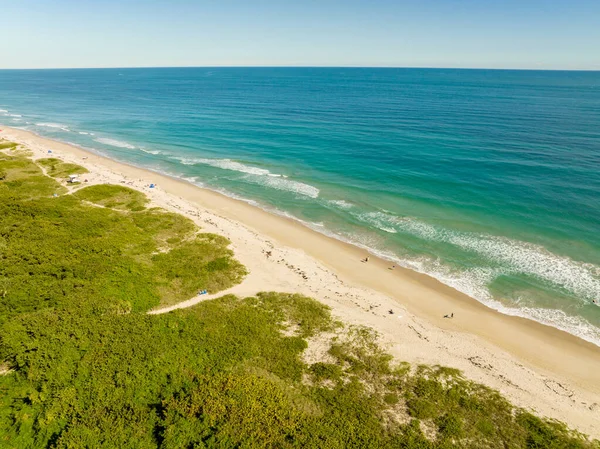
[[239, 290]]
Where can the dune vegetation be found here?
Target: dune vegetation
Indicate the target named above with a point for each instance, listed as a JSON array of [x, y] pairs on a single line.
[[83, 365], [59, 169]]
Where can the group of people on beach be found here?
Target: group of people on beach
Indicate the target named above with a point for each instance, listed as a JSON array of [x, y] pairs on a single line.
[[393, 267]]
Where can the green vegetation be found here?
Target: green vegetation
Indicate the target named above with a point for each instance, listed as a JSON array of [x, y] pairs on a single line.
[[59, 169], [113, 196], [82, 365], [6, 145], [21, 180], [59, 251]]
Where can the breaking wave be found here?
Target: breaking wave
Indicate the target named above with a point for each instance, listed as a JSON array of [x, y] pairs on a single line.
[[155, 152], [341, 204], [257, 175], [54, 126], [287, 185], [115, 143], [578, 278], [226, 164]]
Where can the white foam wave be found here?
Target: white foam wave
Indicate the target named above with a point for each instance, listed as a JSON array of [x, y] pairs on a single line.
[[573, 325], [3, 110], [14, 115], [227, 164], [50, 125], [259, 175], [194, 180], [83, 133], [54, 126], [380, 220], [578, 278], [115, 143], [150, 151], [474, 283], [341, 204], [286, 185]]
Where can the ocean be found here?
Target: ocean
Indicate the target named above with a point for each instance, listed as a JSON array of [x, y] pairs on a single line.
[[487, 180]]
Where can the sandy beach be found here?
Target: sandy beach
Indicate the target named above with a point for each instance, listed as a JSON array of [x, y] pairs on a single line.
[[535, 366]]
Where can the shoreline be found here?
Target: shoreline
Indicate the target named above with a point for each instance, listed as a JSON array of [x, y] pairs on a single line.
[[579, 330], [536, 366]]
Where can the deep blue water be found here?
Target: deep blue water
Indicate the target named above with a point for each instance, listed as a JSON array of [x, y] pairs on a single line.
[[487, 180]]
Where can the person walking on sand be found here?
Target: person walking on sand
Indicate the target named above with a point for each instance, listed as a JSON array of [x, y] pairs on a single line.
[[366, 259]]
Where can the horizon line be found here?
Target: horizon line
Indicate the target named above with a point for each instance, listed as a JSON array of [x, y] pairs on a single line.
[[304, 67]]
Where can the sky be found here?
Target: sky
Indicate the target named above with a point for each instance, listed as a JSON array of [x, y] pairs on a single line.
[[520, 34]]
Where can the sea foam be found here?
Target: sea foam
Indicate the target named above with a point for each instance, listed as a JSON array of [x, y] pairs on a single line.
[[580, 279], [226, 164], [341, 204], [54, 126], [474, 282], [154, 152], [257, 175], [287, 185], [115, 143]]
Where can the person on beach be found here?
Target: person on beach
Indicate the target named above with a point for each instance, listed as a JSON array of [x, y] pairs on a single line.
[[366, 259], [393, 267]]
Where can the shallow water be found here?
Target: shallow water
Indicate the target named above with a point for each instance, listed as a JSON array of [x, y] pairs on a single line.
[[487, 180]]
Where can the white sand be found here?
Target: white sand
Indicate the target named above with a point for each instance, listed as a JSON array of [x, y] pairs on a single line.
[[535, 366]]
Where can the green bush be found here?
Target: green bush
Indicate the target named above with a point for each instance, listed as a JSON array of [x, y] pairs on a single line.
[[24, 180], [391, 398], [6, 145], [62, 252], [59, 169], [450, 426], [326, 371], [113, 196]]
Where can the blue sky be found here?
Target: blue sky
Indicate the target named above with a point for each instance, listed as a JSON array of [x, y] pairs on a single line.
[[537, 34]]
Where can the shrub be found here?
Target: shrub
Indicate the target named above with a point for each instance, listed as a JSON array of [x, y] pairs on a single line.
[[59, 169], [113, 196], [326, 371]]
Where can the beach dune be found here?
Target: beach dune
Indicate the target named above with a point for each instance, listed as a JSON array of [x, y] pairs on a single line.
[[535, 366]]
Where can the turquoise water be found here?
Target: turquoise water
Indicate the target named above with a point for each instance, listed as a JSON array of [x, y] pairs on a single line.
[[486, 180]]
